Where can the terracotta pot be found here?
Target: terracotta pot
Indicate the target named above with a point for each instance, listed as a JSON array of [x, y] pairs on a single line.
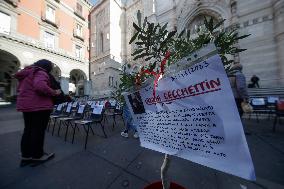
[[158, 185]]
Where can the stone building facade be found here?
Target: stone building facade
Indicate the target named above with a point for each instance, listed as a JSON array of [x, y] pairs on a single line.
[[263, 19], [56, 30]]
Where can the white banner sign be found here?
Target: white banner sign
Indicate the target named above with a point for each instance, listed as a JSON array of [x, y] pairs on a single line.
[[194, 116]]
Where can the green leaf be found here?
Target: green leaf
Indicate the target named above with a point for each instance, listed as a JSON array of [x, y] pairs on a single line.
[[133, 37], [148, 58], [206, 23], [219, 24], [152, 66], [137, 28], [211, 25], [164, 27], [181, 34], [188, 34], [242, 37], [137, 51], [140, 56], [240, 50], [145, 22], [140, 43], [170, 35], [150, 28]]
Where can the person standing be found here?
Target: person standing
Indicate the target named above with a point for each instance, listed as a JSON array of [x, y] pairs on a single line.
[[129, 123], [238, 85], [34, 99], [254, 80]]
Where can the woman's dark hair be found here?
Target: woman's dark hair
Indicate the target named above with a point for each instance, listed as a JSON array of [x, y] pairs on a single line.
[[45, 64]]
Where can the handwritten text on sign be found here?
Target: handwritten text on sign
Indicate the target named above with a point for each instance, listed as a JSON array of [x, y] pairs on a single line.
[[194, 116]]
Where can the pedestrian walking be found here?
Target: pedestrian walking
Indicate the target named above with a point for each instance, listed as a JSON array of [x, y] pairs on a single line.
[[35, 100]]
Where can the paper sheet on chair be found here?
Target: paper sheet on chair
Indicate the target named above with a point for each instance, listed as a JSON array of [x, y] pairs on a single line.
[[98, 109]]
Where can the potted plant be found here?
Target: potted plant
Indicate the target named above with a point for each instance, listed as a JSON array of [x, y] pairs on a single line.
[[158, 48]]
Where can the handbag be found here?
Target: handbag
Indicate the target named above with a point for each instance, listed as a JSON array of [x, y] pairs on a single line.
[[60, 98], [247, 108]]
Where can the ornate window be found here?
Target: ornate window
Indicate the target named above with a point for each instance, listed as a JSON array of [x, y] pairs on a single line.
[[5, 25], [78, 52], [49, 40], [50, 13], [197, 23], [79, 9]]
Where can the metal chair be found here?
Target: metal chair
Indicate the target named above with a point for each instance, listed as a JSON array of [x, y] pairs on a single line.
[[259, 106], [279, 113], [56, 114], [67, 121], [95, 117]]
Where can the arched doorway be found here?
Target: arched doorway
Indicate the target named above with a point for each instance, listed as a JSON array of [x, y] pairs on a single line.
[[9, 65], [78, 78], [197, 22]]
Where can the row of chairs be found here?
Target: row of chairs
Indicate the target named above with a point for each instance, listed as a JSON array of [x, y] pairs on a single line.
[[76, 115], [271, 106]]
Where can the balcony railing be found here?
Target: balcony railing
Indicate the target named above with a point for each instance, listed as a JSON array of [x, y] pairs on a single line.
[[79, 14], [78, 36], [14, 3], [51, 22]]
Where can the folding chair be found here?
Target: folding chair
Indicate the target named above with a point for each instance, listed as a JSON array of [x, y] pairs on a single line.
[[118, 112], [95, 117], [271, 104], [66, 113], [110, 112], [56, 113], [259, 106], [67, 121], [279, 113]]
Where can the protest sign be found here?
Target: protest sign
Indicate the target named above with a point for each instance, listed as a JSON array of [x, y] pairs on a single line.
[[193, 115]]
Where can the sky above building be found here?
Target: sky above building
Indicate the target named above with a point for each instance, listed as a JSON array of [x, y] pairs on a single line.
[[93, 1]]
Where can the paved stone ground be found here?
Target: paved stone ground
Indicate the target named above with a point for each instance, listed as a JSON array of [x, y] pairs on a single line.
[[119, 163]]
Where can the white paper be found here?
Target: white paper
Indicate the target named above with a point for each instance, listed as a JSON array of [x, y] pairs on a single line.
[[69, 107], [194, 117], [112, 102], [75, 104], [272, 99], [98, 109], [93, 104], [59, 107], [258, 101], [81, 109]]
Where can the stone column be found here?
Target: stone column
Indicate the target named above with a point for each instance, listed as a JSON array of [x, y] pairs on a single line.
[[13, 89], [279, 37], [64, 82]]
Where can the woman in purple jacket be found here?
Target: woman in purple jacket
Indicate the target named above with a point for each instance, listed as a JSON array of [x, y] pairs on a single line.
[[35, 101]]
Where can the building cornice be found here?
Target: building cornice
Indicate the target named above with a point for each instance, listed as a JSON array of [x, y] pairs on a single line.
[[38, 47]]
